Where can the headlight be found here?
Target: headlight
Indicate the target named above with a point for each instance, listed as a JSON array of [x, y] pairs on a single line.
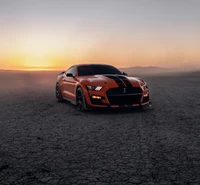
[[94, 88], [144, 87]]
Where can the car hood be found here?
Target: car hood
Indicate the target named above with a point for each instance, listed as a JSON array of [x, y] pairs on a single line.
[[100, 80]]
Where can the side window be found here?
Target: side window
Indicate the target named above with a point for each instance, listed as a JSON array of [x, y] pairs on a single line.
[[72, 70]]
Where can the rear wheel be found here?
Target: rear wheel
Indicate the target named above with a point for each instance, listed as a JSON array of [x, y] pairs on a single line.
[[59, 97], [80, 100]]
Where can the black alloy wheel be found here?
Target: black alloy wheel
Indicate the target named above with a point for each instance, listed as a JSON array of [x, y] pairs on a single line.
[[80, 101], [59, 97]]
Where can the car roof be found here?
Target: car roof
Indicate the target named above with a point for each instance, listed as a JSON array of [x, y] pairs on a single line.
[[77, 65]]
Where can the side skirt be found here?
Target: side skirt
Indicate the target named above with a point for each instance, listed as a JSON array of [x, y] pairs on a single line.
[[72, 102]]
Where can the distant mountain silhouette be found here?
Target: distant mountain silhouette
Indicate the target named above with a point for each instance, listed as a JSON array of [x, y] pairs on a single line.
[[146, 70], [139, 70]]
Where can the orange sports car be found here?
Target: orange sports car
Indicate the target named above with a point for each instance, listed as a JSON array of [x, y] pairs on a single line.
[[98, 85]]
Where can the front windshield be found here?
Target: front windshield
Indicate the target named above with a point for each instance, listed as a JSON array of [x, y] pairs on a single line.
[[87, 70]]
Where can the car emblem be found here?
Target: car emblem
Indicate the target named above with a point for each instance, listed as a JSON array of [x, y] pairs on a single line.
[[124, 90]]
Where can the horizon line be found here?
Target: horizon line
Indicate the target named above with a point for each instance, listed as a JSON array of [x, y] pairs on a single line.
[[58, 69]]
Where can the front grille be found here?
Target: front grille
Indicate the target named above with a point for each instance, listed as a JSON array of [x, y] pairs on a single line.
[[131, 90], [124, 100], [121, 96]]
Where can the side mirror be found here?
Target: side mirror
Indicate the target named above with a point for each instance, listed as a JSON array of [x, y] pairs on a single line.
[[125, 74], [69, 75]]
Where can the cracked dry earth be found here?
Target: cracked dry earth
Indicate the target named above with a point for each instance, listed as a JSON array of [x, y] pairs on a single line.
[[43, 142]]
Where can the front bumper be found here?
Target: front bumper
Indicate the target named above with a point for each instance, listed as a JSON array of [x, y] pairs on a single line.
[[104, 102], [145, 105]]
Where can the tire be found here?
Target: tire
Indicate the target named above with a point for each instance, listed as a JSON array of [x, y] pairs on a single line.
[[59, 97], [80, 100]]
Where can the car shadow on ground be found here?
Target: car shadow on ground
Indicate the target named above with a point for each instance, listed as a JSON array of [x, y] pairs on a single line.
[[103, 111], [100, 111], [119, 110]]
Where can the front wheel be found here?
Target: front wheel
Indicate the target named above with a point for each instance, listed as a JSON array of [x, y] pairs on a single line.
[[80, 100], [59, 97]]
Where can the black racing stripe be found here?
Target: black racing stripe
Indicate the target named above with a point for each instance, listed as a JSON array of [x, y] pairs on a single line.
[[125, 80], [117, 80]]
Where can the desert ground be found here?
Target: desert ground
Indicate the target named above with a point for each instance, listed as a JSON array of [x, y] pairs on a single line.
[[45, 142]]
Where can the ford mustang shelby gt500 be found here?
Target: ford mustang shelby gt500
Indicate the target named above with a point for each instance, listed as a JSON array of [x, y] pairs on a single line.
[[97, 85]]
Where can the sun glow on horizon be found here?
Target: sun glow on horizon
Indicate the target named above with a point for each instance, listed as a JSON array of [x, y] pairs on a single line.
[[40, 69], [40, 50], [43, 50], [38, 62]]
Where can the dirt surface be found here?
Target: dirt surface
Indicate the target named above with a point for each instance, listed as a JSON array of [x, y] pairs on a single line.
[[45, 142]]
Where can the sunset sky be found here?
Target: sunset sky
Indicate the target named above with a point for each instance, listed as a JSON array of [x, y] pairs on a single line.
[[54, 34]]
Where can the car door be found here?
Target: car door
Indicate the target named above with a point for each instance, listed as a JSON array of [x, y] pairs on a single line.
[[69, 82]]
